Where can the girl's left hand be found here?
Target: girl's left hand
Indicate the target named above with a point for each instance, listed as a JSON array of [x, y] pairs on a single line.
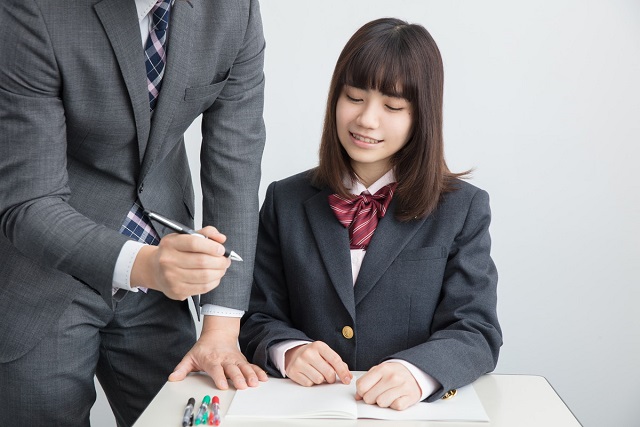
[[388, 385]]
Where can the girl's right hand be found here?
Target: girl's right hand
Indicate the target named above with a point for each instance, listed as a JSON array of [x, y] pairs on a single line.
[[315, 363]]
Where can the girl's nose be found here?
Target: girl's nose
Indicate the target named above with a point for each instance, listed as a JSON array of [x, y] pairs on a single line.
[[368, 117]]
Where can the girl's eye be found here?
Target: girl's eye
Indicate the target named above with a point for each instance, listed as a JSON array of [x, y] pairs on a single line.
[[351, 98], [394, 108]]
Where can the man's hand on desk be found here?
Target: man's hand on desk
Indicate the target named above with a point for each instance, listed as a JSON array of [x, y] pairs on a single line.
[[216, 353]]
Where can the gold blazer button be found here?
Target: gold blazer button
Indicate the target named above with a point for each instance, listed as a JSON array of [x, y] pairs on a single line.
[[347, 332], [450, 394]]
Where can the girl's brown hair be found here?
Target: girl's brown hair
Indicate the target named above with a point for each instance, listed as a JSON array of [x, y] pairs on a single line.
[[397, 59]]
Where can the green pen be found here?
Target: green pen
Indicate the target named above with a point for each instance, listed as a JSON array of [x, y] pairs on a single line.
[[202, 410]]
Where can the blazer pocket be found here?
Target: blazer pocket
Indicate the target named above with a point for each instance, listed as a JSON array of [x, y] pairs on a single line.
[[430, 252], [211, 90]]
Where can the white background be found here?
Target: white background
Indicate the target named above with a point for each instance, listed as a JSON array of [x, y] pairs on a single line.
[[542, 98]]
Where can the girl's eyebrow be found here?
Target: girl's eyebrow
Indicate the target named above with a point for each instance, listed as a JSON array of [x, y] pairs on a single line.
[[395, 95], [390, 94]]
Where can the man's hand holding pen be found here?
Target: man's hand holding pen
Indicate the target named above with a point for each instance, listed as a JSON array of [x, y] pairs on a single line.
[[182, 265]]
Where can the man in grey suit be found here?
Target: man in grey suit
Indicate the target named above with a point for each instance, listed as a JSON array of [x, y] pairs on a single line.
[[87, 142]]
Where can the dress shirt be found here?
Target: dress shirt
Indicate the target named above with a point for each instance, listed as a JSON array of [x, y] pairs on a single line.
[[129, 251], [426, 382]]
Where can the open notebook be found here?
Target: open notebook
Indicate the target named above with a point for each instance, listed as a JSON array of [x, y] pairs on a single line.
[[282, 398]]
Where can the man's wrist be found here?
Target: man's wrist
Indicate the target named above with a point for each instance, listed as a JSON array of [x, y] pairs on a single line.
[[141, 273], [228, 327]]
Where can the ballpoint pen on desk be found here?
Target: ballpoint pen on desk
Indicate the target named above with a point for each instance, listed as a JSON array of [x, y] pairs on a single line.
[[215, 409], [183, 229], [186, 418], [202, 410]]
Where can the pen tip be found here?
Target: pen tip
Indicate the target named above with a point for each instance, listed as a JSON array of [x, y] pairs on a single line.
[[234, 256]]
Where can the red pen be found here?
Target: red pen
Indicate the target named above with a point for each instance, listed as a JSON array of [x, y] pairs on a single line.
[[215, 410]]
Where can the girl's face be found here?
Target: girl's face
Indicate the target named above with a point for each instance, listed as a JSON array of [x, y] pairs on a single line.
[[372, 127]]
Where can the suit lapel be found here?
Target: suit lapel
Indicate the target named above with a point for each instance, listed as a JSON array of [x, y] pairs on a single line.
[[389, 239], [174, 81], [119, 20], [333, 243]]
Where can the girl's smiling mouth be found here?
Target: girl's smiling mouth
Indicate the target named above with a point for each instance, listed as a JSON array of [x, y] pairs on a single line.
[[365, 139]]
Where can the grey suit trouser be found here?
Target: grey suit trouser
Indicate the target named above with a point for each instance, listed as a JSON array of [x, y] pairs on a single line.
[[131, 347]]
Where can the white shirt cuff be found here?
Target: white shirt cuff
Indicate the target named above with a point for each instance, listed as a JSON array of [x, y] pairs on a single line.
[[217, 310], [124, 264], [277, 351], [426, 382]]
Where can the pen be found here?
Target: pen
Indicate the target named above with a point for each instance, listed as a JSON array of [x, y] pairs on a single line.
[[186, 418], [183, 229], [215, 409], [202, 410]]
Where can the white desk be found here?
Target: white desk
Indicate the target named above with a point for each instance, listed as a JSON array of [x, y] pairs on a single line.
[[510, 401]]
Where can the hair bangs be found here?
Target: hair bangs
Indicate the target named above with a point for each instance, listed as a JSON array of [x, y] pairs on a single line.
[[383, 65]]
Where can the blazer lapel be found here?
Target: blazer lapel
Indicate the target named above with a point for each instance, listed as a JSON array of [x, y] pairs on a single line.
[[333, 243], [119, 20], [174, 81], [389, 239]]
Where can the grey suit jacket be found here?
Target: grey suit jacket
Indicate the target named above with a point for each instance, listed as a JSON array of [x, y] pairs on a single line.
[[426, 291], [78, 145]]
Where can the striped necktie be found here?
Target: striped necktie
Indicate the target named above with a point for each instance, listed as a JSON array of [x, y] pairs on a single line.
[[362, 213], [155, 49], [138, 227], [136, 224]]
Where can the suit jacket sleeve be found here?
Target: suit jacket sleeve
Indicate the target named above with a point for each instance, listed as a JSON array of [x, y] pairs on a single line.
[[268, 319], [35, 213], [233, 142], [465, 334]]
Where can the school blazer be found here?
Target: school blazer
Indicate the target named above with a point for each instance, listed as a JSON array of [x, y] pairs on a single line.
[[78, 145], [426, 291]]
